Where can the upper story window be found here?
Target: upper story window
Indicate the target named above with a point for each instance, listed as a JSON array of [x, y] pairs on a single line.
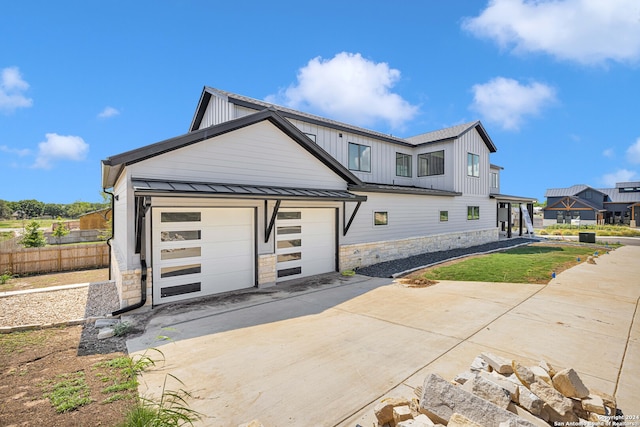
[[431, 163], [495, 180], [403, 164], [359, 157], [311, 136], [473, 165]]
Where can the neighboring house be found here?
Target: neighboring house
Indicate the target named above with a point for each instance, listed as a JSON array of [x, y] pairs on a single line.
[[96, 220], [619, 205], [256, 194]]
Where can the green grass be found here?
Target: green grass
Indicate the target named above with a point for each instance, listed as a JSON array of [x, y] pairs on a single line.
[[17, 342], [600, 230], [529, 264], [70, 393]]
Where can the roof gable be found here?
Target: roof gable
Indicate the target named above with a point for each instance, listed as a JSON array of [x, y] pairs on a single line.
[[113, 166], [454, 132]]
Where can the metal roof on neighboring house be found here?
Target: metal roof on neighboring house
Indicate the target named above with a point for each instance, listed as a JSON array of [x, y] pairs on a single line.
[[615, 196], [561, 192]]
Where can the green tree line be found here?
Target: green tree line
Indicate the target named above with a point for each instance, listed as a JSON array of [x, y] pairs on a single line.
[[27, 209]]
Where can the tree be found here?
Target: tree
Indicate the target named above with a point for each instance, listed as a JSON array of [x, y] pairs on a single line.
[[33, 236], [60, 230], [31, 208], [5, 210], [55, 210]]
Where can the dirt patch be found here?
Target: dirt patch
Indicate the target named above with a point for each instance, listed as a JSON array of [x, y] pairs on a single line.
[[30, 361], [55, 279], [417, 282]]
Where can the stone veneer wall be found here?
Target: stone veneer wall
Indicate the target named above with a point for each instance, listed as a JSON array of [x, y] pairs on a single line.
[[266, 270], [363, 254], [128, 285]]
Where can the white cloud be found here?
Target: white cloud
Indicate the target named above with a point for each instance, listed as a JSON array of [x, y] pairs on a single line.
[[350, 88], [584, 31], [633, 152], [506, 102], [20, 152], [108, 112], [60, 147], [621, 175], [12, 87], [609, 153]]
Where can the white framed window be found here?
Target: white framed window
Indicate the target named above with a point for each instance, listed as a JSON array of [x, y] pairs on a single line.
[[473, 212], [311, 136], [473, 165], [359, 157], [380, 218], [431, 163], [495, 183], [444, 216], [403, 165]]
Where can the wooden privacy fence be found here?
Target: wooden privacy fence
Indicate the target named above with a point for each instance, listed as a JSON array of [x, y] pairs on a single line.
[[54, 258]]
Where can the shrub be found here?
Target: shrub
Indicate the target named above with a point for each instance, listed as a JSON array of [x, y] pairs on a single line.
[[33, 236]]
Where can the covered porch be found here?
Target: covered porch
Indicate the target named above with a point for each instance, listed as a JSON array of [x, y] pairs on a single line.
[[510, 224]]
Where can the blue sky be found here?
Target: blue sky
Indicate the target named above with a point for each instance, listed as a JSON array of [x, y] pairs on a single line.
[[555, 83]]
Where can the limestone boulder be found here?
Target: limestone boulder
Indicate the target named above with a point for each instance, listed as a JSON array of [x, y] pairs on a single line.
[[568, 383], [384, 409]]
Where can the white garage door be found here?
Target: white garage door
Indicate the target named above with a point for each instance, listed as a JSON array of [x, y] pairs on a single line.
[[198, 252], [305, 242]]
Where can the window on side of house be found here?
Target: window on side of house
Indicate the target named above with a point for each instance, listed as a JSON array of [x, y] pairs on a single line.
[[494, 180], [403, 164], [359, 157], [311, 136], [473, 165], [380, 218], [473, 212], [444, 216], [431, 163]]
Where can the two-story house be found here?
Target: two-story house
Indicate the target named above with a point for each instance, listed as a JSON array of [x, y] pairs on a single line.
[[256, 194]]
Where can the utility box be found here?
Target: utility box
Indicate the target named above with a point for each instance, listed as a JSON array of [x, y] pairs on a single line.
[[587, 237]]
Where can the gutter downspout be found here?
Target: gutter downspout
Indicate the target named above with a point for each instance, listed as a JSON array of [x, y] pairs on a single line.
[[113, 222], [143, 274]]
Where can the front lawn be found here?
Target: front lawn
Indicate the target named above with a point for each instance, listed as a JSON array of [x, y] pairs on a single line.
[[528, 264]]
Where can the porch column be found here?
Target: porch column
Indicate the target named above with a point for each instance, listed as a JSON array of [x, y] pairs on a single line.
[[520, 218], [510, 219]]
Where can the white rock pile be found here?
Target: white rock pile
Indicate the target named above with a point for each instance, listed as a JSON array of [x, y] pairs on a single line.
[[499, 392]]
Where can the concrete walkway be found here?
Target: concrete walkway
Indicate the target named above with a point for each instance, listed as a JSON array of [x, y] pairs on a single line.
[[324, 356]]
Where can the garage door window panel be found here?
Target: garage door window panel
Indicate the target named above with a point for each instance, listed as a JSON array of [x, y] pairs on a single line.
[[179, 253], [180, 235], [294, 256], [296, 229], [180, 270], [180, 217], [172, 291], [292, 243]]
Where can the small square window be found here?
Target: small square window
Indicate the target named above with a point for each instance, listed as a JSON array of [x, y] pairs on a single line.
[[444, 216], [473, 212], [380, 218]]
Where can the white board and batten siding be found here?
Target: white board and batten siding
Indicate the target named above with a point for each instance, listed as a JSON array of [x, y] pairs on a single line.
[[218, 110], [259, 154], [417, 216], [471, 142]]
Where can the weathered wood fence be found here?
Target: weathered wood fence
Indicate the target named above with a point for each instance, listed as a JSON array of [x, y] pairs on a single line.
[[50, 259]]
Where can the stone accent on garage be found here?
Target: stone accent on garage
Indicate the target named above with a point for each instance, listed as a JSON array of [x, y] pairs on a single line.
[[267, 270], [364, 254], [128, 285]]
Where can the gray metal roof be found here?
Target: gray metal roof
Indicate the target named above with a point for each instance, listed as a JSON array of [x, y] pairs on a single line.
[[113, 166], [439, 135], [516, 199], [561, 192], [402, 189], [156, 187], [613, 194]]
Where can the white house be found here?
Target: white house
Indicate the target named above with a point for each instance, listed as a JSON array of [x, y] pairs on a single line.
[[256, 194]]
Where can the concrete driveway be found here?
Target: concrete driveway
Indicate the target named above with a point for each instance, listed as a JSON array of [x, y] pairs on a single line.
[[324, 355]]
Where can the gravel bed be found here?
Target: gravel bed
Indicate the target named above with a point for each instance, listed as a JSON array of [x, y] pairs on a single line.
[[389, 268], [47, 307]]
